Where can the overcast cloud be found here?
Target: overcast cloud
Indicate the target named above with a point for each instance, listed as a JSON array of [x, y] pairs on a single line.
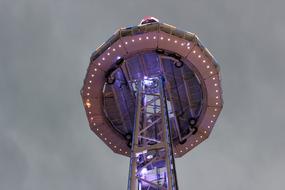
[[45, 141]]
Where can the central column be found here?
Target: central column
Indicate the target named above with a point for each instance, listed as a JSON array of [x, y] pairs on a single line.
[[152, 164]]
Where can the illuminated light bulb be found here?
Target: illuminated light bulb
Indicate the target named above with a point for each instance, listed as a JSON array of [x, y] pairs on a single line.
[[94, 124], [175, 153], [168, 39], [201, 136], [216, 109], [140, 38], [188, 47], [133, 40], [214, 78], [120, 150], [216, 84], [95, 69], [91, 118], [92, 75], [209, 126], [214, 115], [217, 97], [175, 41], [181, 151], [101, 134], [110, 142], [182, 44], [88, 104], [192, 145], [103, 58], [149, 157], [119, 45], [217, 103], [114, 49], [126, 43], [217, 91], [196, 141], [147, 37], [90, 81], [97, 129], [144, 171], [212, 121], [204, 61], [154, 37], [188, 44], [108, 53], [211, 72], [89, 113], [88, 87], [194, 51], [99, 63], [161, 38], [115, 146], [186, 148], [205, 132], [105, 138], [199, 56], [208, 66], [88, 94], [126, 152]]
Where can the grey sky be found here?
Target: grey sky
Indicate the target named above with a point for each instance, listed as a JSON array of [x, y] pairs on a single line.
[[45, 142]]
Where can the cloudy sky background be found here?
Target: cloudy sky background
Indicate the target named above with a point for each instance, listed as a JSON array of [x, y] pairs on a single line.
[[45, 141]]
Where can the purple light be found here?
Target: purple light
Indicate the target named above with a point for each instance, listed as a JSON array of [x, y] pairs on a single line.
[[148, 82], [144, 171], [118, 57], [149, 157]]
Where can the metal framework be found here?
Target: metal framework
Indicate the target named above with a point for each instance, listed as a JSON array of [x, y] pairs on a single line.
[[152, 164]]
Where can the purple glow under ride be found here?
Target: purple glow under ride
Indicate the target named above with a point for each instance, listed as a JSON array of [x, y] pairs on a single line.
[[152, 92]]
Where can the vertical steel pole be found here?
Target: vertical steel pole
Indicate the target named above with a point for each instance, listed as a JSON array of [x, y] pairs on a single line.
[[132, 184], [171, 170]]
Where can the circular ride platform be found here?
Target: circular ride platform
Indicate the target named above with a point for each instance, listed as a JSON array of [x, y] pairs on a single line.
[[152, 49]]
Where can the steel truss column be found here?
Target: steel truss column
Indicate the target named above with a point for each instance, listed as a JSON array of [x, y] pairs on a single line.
[[152, 164]]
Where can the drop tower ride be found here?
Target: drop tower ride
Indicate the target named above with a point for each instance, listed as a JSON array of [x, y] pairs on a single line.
[[152, 92]]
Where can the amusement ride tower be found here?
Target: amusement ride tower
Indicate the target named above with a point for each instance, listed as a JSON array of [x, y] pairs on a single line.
[[152, 92]]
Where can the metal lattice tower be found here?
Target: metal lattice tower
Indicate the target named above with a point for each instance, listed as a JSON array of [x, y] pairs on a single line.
[[152, 162]]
